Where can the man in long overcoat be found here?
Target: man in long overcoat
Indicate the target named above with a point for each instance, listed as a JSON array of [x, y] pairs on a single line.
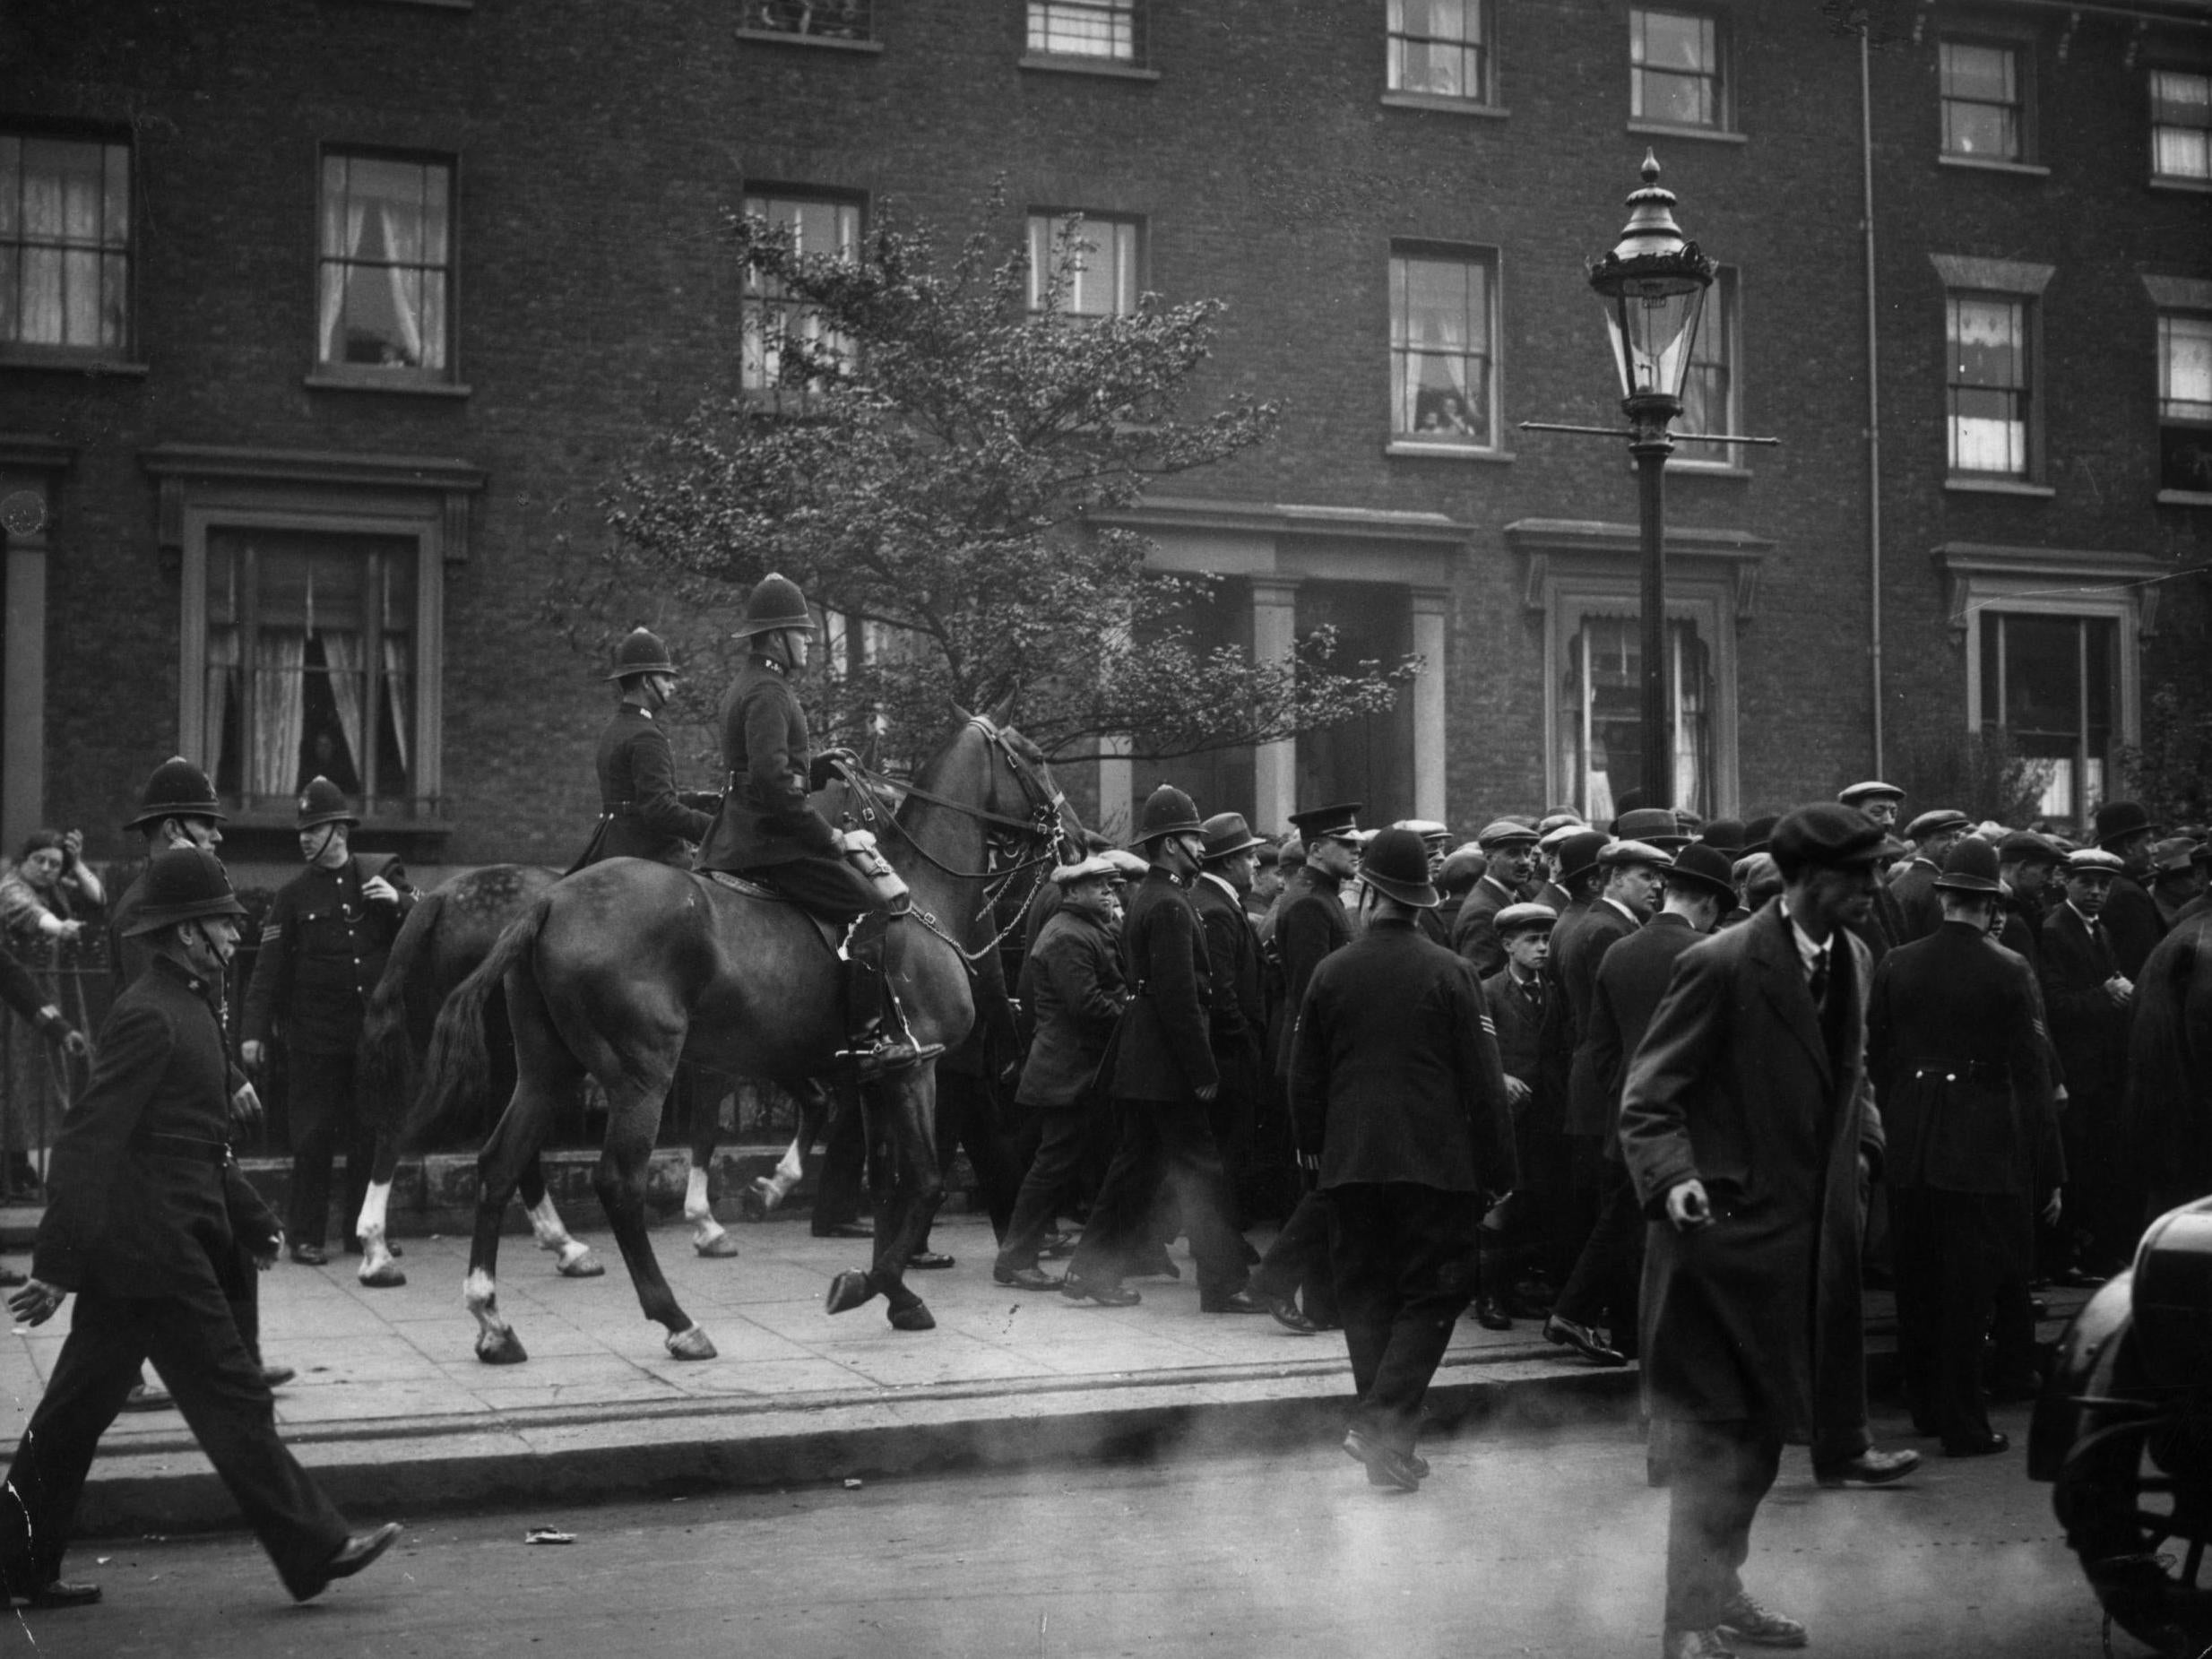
[[1746, 1123], [1237, 1007]]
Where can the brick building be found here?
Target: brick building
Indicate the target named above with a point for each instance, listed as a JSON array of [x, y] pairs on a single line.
[[323, 321]]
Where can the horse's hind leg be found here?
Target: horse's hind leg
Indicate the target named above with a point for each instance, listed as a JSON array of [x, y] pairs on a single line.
[[709, 1237], [378, 1270], [514, 1141], [768, 1192], [619, 1179], [574, 1258]]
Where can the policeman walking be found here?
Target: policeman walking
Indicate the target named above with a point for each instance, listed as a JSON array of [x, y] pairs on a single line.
[[641, 814], [323, 949]]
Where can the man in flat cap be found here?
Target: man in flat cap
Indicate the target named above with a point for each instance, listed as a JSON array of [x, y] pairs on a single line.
[[1912, 882], [2088, 1002], [2026, 865], [1747, 1126], [1881, 802], [1960, 1062], [1510, 846], [1533, 1235], [2176, 877]]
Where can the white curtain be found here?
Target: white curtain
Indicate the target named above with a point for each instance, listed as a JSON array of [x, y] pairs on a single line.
[[279, 707], [1987, 432], [341, 655], [342, 222], [402, 243], [1687, 670], [222, 674], [395, 684]]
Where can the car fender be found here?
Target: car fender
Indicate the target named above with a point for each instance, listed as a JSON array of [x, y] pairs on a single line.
[[2081, 1370]]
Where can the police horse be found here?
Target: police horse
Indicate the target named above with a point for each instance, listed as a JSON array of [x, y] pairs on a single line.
[[624, 968]]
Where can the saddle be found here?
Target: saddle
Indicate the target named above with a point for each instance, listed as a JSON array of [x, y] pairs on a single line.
[[834, 933]]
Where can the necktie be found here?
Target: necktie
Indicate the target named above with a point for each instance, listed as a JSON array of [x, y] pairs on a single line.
[[1820, 978]]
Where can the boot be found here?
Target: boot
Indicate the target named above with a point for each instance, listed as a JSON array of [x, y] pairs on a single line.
[[878, 1040]]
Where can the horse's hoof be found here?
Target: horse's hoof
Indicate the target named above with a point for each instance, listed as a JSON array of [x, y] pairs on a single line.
[[387, 1275], [914, 1316], [692, 1344], [753, 1206], [504, 1348], [721, 1248], [585, 1266], [849, 1289]]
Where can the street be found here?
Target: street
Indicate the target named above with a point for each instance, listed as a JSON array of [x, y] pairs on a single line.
[[1525, 1546]]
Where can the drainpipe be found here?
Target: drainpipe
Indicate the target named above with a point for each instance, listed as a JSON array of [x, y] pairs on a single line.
[[1873, 398]]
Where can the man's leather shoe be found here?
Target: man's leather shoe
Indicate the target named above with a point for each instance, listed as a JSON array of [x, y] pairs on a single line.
[[845, 1230], [277, 1376], [928, 1261], [1288, 1317], [1975, 1446], [357, 1552], [1237, 1301], [1868, 1468], [1159, 1265], [62, 1593], [1490, 1315], [1057, 1246], [1746, 1620], [1385, 1467], [1105, 1295], [1694, 1644], [1025, 1278], [1582, 1339], [310, 1255]]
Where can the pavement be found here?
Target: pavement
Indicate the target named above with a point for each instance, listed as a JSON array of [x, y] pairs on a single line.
[[395, 1416]]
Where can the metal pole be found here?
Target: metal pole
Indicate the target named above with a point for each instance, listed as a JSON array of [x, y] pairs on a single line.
[[1651, 446]]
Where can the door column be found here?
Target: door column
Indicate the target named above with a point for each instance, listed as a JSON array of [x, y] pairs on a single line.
[[1117, 786], [1274, 765], [1431, 606], [29, 471]]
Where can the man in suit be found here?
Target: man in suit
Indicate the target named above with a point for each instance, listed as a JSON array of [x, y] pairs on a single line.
[[1883, 803], [1630, 980], [1913, 885], [641, 814], [1078, 995], [1436, 841], [1510, 846], [1747, 1126], [1515, 997], [2132, 917], [2089, 1003], [2176, 877], [1164, 1081], [1959, 1059], [137, 1226], [1398, 1094], [2026, 863], [323, 944], [1237, 1011]]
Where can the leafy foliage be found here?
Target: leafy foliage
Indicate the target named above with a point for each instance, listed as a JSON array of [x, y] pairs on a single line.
[[1980, 773], [2171, 773], [936, 462]]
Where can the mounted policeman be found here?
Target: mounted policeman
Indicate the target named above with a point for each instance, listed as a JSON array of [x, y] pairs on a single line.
[[769, 830], [642, 814]]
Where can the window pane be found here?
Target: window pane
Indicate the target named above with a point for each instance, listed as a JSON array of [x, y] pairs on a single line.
[[2185, 367], [1083, 28], [64, 218], [1600, 715], [1985, 72], [820, 227], [1988, 386], [1981, 100], [1440, 349], [386, 235]]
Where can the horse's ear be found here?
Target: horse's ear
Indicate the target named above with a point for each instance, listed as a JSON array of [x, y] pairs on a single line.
[[1001, 709], [960, 713]]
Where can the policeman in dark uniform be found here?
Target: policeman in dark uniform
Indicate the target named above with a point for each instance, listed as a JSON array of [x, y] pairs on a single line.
[[138, 1226], [1960, 1062], [1933, 834], [769, 830], [323, 949], [1237, 1015], [641, 812]]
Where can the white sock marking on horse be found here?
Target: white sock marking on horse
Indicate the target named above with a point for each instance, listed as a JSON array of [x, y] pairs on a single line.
[[788, 1169], [480, 1295], [375, 1255], [699, 1209]]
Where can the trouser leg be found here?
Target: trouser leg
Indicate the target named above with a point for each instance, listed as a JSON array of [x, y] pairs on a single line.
[[1918, 1253], [1125, 1198], [1602, 1289], [1366, 1284], [197, 1346], [1719, 1473], [1972, 1242], [1430, 1237], [1193, 1172], [321, 1104], [1051, 1178], [1299, 1251], [93, 1374], [842, 1192]]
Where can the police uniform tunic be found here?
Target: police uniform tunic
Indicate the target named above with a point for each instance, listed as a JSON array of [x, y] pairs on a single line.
[[641, 814]]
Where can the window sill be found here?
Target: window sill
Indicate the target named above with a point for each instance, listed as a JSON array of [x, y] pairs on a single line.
[[1668, 129], [1442, 105], [1980, 164], [1708, 469], [428, 5], [828, 43], [1999, 487], [1407, 449], [2185, 498], [405, 388], [1106, 67], [118, 368], [2187, 186]]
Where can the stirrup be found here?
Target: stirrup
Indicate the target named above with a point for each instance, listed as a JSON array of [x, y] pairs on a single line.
[[887, 1055]]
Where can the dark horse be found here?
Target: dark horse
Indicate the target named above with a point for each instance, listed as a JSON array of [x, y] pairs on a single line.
[[2169, 1112], [443, 941], [626, 968]]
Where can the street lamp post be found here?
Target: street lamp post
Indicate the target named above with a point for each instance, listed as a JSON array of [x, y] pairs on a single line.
[[1653, 283]]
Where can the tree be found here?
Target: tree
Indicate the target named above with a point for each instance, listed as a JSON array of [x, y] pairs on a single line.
[[931, 464]]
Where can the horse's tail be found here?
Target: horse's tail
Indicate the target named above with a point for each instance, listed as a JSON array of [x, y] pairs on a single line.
[[459, 1066], [385, 1063]]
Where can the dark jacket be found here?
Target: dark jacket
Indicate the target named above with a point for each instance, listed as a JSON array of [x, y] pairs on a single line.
[[1394, 1075], [1956, 1052], [1519, 1023], [1756, 1317], [1237, 1006], [1078, 994], [128, 1216], [1575, 961], [1308, 930], [1165, 1053], [19, 991], [1630, 981], [765, 818], [1475, 929], [640, 814], [2087, 1028], [2022, 932], [323, 949], [2135, 924], [1919, 907]]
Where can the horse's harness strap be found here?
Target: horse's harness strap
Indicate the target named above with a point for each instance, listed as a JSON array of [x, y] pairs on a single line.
[[184, 1147]]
